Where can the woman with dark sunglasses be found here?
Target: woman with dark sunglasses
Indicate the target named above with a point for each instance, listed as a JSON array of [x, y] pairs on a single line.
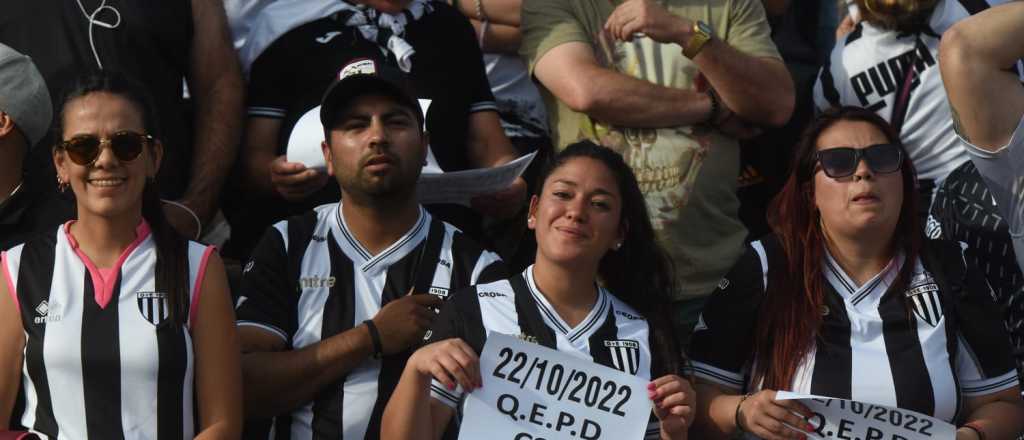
[[846, 299], [112, 325]]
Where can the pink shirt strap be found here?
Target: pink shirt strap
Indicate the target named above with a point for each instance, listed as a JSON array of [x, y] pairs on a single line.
[[197, 289], [9, 280]]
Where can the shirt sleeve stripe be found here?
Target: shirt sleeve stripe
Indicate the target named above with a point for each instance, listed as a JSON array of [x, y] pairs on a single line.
[[989, 386], [717, 375], [438, 392], [483, 106], [269, 112], [263, 326]]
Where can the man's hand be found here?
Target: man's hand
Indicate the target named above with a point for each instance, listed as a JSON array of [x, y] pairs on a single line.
[[845, 27], [181, 220], [502, 204], [403, 322], [649, 18], [293, 181]]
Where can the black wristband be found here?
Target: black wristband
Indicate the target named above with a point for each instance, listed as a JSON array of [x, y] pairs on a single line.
[[378, 347], [716, 107]]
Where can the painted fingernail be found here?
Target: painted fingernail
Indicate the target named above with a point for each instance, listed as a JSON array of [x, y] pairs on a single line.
[[451, 386]]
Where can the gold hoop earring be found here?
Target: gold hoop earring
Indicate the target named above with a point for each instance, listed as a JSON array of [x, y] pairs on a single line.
[[62, 186]]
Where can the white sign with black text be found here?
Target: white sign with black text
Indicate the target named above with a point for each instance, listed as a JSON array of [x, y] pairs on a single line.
[[531, 392], [851, 420]]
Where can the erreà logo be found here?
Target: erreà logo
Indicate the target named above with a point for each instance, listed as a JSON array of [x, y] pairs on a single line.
[[43, 310]]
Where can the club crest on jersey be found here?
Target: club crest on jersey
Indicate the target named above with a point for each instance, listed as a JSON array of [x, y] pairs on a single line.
[[625, 354], [924, 298], [153, 306]]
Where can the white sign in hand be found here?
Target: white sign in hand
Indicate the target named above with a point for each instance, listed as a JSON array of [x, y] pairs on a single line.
[[531, 392], [851, 420]]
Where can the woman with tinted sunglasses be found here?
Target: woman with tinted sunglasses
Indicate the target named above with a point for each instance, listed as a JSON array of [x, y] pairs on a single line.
[[113, 325], [846, 299]]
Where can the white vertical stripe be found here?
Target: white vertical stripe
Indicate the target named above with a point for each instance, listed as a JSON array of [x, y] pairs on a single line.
[[443, 273], [282, 228], [140, 354], [62, 347], [936, 358], [360, 387], [28, 419], [316, 262], [872, 378], [13, 266]]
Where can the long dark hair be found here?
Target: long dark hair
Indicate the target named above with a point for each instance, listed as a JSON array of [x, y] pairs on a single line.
[[171, 250], [791, 318], [640, 273]]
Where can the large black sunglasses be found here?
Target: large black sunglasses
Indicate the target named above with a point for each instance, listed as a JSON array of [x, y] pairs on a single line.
[[126, 145], [842, 161]]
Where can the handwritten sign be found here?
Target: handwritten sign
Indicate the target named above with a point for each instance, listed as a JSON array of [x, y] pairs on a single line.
[[851, 420], [532, 392]]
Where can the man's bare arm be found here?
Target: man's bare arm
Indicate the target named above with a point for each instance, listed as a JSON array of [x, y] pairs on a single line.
[[215, 83], [506, 12], [573, 75], [977, 57], [758, 89], [499, 38]]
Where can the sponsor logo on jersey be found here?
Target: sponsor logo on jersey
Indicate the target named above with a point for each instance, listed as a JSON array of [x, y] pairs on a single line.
[[924, 298], [723, 284], [316, 282], [628, 315], [48, 312], [701, 325], [625, 354], [319, 238], [886, 77], [153, 306], [445, 263], [327, 37], [249, 266], [491, 295]]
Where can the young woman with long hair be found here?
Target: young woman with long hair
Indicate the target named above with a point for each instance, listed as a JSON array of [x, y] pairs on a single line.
[[597, 266], [112, 324], [848, 300]]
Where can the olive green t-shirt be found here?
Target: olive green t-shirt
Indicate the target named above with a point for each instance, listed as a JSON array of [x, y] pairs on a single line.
[[688, 173]]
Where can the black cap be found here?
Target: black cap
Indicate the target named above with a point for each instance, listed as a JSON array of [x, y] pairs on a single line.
[[363, 77]]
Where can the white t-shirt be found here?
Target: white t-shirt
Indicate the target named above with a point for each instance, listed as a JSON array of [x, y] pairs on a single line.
[[519, 104], [866, 70], [1003, 171]]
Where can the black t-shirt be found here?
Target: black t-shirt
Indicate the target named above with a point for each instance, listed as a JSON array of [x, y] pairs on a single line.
[[151, 43], [289, 78]]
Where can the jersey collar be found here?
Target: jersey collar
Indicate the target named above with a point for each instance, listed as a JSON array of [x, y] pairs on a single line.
[[873, 288], [372, 265], [586, 327]]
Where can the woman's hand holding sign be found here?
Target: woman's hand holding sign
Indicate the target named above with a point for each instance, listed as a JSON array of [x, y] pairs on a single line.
[[451, 362], [768, 418], [674, 400]]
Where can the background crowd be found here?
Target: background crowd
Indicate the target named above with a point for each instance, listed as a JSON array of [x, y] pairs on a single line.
[[724, 118]]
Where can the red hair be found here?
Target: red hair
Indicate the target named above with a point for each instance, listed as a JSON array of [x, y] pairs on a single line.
[[790, 317]]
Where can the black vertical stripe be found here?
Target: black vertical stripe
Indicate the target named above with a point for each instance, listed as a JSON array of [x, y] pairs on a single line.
[[399, 280], [465, 253], [173, 362], [427, 262], [35, 276], [339, 312], [828, 84], [855, 35], [608, 331], [530, 321], [833, 360], [913, 386], [101, 364], [283, 427]]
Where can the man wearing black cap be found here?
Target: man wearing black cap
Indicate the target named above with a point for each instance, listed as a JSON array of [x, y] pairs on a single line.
[[25, 114], [333, 300]]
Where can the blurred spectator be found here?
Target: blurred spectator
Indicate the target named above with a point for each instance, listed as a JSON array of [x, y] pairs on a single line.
[[671, 90], [520, 108], [164, 45], [25, 114], [982, 72], [869, 68], [764, 160], [429, 41]]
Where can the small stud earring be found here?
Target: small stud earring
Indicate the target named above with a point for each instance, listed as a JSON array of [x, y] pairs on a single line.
[[618, 245]]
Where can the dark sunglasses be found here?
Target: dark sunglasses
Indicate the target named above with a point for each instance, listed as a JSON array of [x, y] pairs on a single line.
[[126, 145], [842, 161]]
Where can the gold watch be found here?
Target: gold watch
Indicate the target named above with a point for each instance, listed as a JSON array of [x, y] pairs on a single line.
[[702, 33]]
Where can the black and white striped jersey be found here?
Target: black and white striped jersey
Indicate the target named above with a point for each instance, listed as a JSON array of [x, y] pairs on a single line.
[[870, 347], [309, 279], [100, 362], [613, 334], [868, 68]]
